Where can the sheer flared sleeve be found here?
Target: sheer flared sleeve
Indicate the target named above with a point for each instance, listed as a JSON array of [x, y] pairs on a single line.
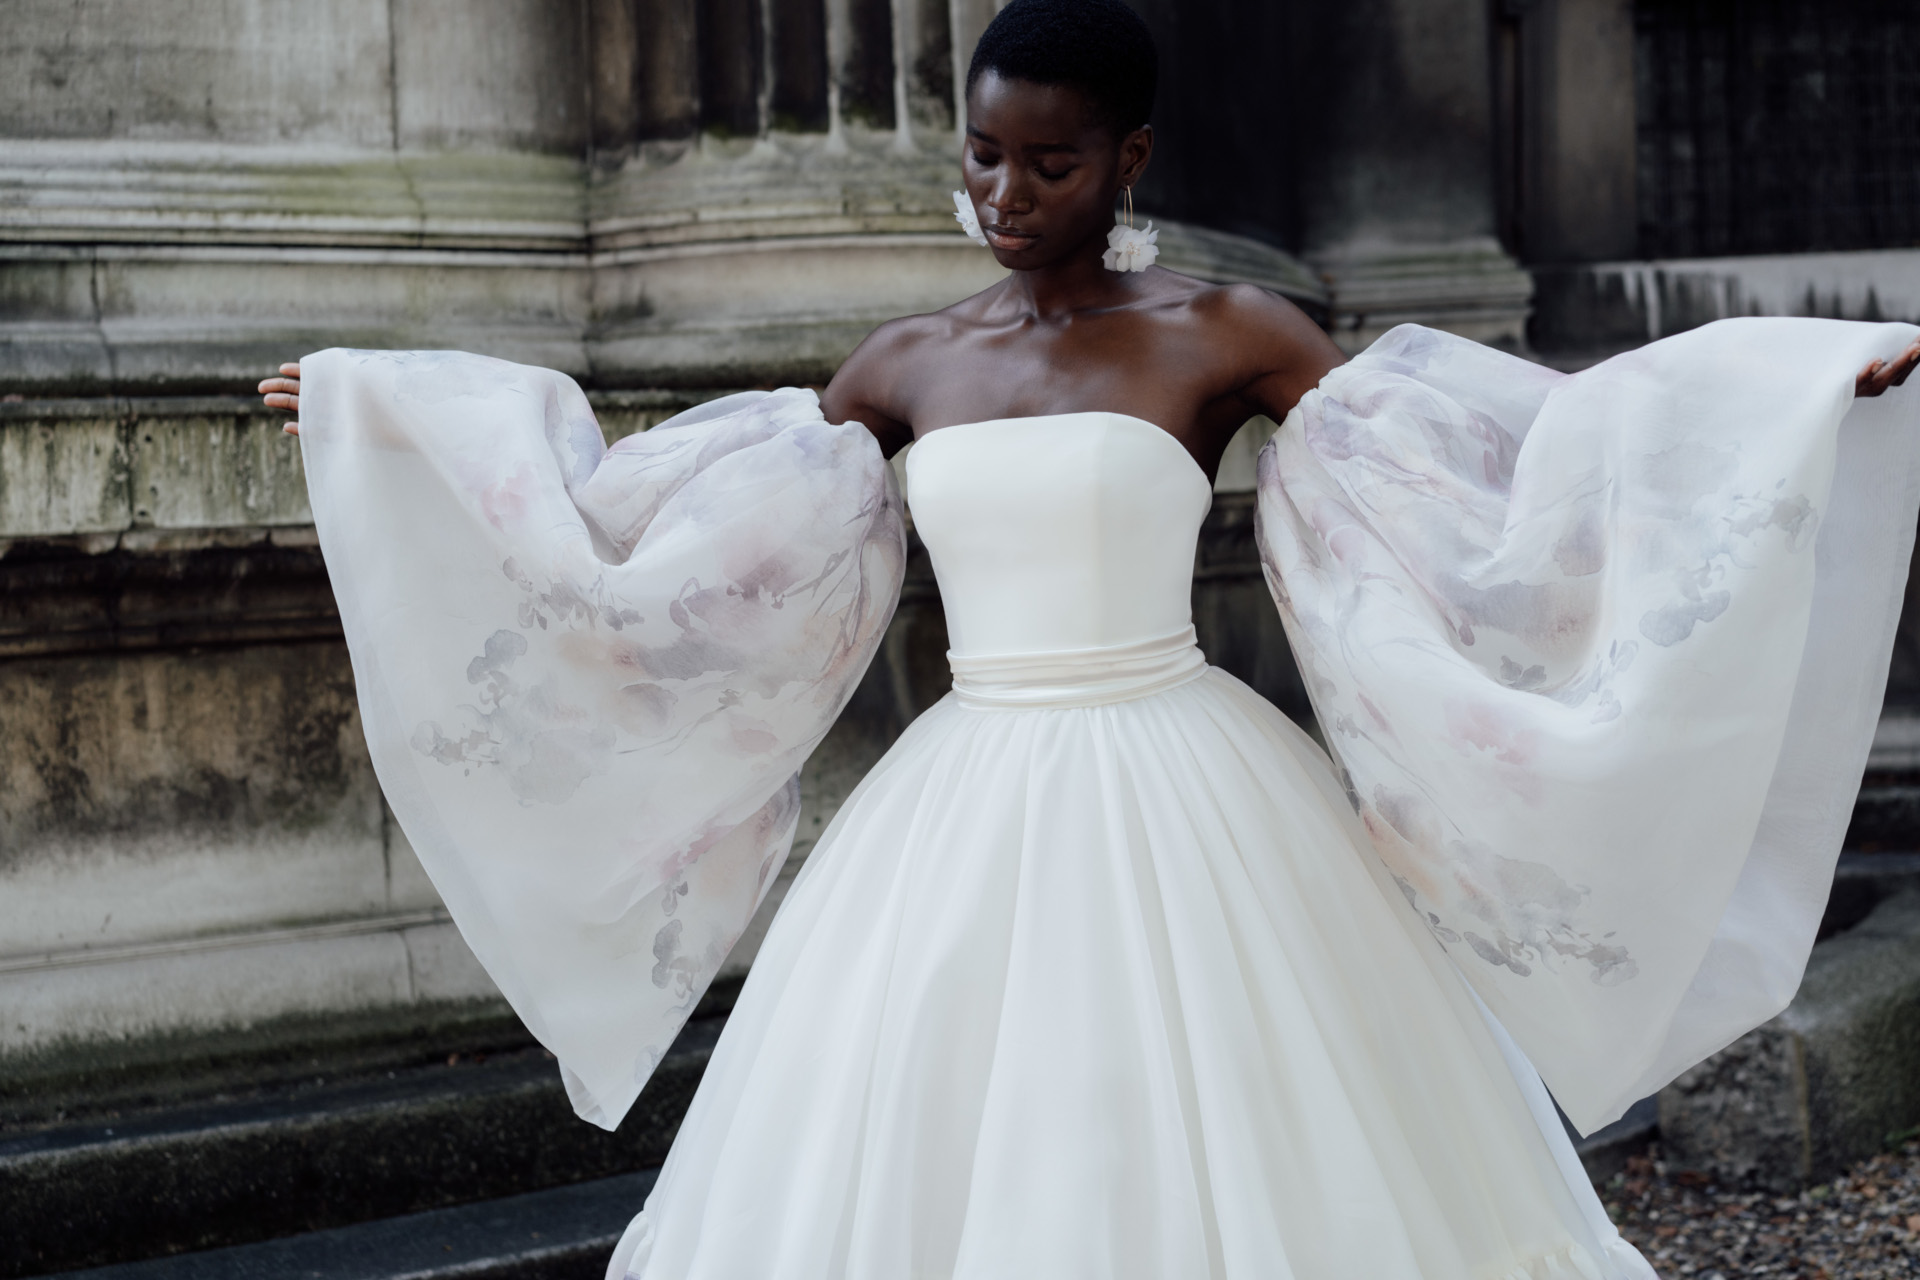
[[1600, 658], [588, 676]]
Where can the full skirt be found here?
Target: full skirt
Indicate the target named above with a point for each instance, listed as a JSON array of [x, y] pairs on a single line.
[[1115, 991]]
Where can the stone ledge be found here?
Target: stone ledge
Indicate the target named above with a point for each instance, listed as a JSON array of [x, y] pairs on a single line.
[[160, 473], [1585, 312], [69, 1000], [147, 589], [1469, 287]]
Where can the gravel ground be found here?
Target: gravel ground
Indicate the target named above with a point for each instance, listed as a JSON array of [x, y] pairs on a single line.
[[1863, 1226]]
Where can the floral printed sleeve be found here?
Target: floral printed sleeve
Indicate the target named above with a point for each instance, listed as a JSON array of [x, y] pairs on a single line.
[[589, 676], [1600, 657]]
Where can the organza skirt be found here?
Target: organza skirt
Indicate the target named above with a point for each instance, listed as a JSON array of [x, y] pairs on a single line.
[[1105, 992]]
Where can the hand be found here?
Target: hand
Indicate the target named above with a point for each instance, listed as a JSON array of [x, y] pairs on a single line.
[[283, 392], [1880, 375]]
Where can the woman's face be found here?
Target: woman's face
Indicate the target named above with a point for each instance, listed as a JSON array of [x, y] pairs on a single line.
[[1042, 172]]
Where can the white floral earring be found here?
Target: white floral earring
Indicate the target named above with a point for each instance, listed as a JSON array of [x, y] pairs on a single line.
[[1127, 248], [964, 215]]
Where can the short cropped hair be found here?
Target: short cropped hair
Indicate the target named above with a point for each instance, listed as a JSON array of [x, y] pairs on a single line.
[[1100, 47]]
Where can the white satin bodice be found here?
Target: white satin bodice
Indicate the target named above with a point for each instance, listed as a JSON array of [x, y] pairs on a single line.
[[1064, 550]]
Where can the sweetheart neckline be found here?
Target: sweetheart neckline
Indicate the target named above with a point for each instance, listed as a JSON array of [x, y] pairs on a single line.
[[1156, 428]]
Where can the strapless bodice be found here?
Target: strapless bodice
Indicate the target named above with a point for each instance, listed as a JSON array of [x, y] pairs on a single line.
[[1064, 550]]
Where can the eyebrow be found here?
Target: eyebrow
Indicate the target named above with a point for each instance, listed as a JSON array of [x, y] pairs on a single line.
[[1048, 148]]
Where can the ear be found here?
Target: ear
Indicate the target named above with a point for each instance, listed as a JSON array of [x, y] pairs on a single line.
[[1135, 150]]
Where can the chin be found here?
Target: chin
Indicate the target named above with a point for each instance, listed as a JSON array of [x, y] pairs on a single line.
[[1030, 258]]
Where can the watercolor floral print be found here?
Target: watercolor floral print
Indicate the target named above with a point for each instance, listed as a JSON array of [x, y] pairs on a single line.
[[1560, 634]]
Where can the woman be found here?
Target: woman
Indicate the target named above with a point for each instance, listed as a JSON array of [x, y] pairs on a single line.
[[1106, 970]]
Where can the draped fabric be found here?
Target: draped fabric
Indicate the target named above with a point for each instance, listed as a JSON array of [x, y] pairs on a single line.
[[1600, 658], [588, 677]]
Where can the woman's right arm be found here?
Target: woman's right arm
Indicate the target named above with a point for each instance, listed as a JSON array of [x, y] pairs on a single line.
[[865, 388]]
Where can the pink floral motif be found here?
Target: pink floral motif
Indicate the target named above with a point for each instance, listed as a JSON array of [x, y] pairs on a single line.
[[653, 636], [1485, 728]]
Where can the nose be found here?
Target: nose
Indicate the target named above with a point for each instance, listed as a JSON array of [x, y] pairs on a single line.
[[1008, 194]]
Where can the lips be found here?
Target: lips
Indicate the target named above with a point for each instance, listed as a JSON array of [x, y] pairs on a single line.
[[1009, 237]]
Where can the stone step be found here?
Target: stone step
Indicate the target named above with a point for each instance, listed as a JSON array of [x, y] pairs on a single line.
[[1861, 882], [1886, 816], [566, 1233], [1604, 1152], [318, 1156]]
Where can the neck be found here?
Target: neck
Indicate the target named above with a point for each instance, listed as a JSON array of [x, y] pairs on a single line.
[[1077, 282]]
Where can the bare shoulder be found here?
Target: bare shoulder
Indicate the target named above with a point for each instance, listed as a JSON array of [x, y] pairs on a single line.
[[1272, 352], [884, 357], [889, 353], [904, 334], [1251, 310], [875, 384]]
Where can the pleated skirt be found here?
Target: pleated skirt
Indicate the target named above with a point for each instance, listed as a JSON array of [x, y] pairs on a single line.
[[1112, 992]]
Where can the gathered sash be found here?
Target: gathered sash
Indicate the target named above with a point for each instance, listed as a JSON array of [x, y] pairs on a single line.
[[1076, 677]]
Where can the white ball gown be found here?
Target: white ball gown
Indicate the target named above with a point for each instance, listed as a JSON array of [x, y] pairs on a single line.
[[1107, 970]]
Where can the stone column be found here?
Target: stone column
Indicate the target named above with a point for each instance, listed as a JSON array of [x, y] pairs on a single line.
[[1575, 143], [1395, 180]]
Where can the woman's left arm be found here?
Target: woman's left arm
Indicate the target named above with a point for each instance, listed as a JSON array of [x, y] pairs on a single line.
[[1282, 352]]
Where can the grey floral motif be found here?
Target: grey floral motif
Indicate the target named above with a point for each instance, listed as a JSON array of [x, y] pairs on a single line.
[[653, 636], [1414, 519], [1528, 908], [621, 683]]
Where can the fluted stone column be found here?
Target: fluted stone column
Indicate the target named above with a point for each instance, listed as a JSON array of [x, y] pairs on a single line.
[[1396, 183]]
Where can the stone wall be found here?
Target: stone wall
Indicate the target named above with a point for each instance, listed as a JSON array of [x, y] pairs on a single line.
[[194, 852], [666, 199]]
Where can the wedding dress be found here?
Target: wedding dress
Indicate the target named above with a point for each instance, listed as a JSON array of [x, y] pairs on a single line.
[[1107, 970]]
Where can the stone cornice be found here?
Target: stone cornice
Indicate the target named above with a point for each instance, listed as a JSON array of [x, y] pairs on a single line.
[[156, 268], [705, 197]]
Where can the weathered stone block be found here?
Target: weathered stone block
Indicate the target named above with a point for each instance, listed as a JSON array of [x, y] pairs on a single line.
[[1827, 1082], [161, 795], [264, 71], [63, 476], [441, 968], [531, 93], [217, 469], [1743, 1112]]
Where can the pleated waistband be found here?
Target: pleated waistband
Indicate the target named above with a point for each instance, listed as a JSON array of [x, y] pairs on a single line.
[[1077, 677]]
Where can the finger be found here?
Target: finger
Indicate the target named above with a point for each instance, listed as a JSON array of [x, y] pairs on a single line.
[[288, 385], [292, 428], [291, 369], [1863, 381], [283, 402], [1909, 359]]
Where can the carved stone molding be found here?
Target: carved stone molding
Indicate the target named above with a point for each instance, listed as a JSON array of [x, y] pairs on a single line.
[[189, 269]]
